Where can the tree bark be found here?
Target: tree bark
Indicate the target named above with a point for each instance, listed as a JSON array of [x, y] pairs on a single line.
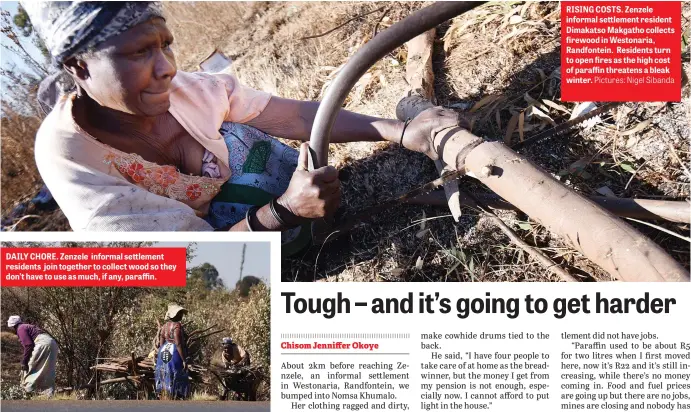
[[420, 78]]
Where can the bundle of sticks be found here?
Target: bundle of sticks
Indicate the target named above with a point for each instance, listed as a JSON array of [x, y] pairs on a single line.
[[196, 339], [141, 369], [136, 369], [124, 365]]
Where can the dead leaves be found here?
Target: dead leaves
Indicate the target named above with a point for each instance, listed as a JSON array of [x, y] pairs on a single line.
[[515, 35], [360, 87], [556, 106], [456, 30], [531, 101], [333, 71], [484, 102], [515, 19], [511, 24], [499, 16], [540, 115], [510, 128], [535, 116], [638, 128]]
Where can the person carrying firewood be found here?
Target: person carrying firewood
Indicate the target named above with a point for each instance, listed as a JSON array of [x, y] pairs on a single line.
[[40, 357], [234, 356], [171, 373]]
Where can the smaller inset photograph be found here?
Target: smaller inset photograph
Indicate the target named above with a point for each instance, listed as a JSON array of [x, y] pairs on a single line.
[[91, 343]]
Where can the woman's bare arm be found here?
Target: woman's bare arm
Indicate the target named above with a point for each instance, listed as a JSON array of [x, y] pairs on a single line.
[[293, 119], [177, 336], [262, 220]]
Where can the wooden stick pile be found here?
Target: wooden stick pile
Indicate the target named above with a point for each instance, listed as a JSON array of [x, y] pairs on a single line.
[[128, 366], [197, 338], [144, 369], [141, 369]]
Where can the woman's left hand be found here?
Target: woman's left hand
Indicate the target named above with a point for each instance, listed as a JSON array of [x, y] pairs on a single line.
[[419, 135]]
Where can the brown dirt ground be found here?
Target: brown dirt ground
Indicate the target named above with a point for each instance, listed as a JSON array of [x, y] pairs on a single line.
[[12, 353], [485, 52], [20, 178]]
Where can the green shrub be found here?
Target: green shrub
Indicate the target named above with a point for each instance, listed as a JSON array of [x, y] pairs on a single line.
[[250, 324]]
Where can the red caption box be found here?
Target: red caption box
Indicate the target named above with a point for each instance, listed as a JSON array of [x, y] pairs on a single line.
[[621, 51], [74, 267]]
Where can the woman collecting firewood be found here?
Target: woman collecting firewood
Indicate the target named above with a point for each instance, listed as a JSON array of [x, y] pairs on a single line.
[[234, 355], [133, 144], [172, 378], [40, 357]]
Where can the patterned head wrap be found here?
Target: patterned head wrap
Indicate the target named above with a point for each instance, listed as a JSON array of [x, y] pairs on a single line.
[[68, 28]]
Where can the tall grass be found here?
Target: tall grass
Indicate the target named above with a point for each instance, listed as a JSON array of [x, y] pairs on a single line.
[[20, 177]]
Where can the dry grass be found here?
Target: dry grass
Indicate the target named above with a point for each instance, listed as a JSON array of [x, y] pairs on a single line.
[[199, 27], [20, 178], [203, 396], [12, 352], [72, 396]]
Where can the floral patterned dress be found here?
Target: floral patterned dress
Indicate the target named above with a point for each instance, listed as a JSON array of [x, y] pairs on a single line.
[[163, 180], [261, 169]]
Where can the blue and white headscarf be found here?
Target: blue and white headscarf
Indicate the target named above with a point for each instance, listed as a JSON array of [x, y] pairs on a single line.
[[68, 28]]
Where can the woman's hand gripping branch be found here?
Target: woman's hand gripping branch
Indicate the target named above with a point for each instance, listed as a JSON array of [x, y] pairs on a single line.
[[310, 195]]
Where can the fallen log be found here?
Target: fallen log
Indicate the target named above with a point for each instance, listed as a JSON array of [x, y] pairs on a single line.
[[420, 78], [648, 209], [607, 241]]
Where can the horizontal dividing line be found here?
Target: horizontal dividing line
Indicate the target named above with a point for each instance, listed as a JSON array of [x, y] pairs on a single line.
[[345, 335], [343, 353]]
